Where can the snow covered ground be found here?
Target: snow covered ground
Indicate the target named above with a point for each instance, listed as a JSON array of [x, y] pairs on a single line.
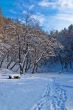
[[47, 91]]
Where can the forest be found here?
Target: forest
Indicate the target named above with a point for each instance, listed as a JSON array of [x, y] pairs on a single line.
[[26, 46]]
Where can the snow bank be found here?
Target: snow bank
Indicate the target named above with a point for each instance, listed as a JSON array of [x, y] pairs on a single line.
[[4, 73]]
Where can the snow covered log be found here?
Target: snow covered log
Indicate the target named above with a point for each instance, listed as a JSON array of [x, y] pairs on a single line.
[[14, 76]]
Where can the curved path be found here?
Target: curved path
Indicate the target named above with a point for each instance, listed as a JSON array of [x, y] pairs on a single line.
[[54, 98]]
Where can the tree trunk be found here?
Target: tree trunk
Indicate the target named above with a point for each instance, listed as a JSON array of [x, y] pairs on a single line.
[[9, 64], [34, 68], [61, 62], [13, 65]]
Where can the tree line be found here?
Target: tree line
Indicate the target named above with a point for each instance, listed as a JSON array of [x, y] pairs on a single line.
[[26, 46]]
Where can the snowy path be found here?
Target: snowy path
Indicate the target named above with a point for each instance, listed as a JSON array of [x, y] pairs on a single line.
[[37, 93], [54, 98]]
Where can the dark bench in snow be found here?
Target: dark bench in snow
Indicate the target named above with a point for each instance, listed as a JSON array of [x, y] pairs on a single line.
[[14, 76]]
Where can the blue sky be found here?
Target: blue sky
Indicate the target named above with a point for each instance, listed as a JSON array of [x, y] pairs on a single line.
[[51, 14]]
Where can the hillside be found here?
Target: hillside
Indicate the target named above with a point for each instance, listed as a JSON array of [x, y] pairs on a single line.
[[24, 47], [25, 44]]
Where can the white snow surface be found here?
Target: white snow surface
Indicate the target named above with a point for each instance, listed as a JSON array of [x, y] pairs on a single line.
[[40, 91]]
